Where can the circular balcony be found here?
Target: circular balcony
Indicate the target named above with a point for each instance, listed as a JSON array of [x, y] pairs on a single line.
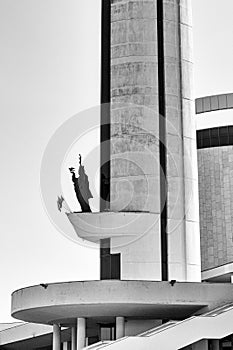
[[64, 302]]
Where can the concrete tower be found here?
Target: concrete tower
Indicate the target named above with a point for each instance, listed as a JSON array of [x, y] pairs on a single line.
[[148, 226]]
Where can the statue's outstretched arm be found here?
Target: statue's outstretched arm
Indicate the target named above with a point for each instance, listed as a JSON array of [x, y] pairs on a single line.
[[73, 177], [72, 170]]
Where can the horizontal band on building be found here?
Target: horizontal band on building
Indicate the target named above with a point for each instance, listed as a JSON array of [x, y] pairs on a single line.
[[215, 137], [214, 103]]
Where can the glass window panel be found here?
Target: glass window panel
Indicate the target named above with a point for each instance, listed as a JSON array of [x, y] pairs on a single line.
[[105, 268], [106, 333], [214, 132], [199, 135], [206, 134], [222, 100], [206, 102], [214, 103], [199, 139], [214, 142], [115, 266], [230, 135], [223, 131], [230, 128], [205, 143], [199, 107], [200, 144], [230, 101], [105, 246], [224, 140]]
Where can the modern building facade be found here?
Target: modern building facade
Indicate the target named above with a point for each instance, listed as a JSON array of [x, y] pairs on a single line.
[[150, 293], [215, 168]]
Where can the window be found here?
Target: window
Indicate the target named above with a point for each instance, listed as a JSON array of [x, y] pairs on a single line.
[[107, 332], [110, 264], [215, 137]]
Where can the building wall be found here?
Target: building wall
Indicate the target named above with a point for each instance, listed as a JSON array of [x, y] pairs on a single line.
[[215, 166], [140, 255]]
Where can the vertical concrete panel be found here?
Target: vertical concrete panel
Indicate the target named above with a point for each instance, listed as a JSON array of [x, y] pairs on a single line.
[[140, 257], [181, 143]]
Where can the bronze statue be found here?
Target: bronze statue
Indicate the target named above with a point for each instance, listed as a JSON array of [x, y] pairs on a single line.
[[81, 187]]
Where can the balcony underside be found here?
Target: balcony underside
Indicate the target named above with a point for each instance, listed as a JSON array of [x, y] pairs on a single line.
[[64, 302]]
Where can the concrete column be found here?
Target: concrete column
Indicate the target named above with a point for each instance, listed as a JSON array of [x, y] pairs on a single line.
[[65, 345], [81, 333], [215, 344], [231, 278], [120, 327], [56, 337], [74, 338]]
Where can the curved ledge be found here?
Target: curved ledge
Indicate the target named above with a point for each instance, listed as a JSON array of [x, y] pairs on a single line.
[[214, 103], [96, 226], [215, 137], [64, 302]]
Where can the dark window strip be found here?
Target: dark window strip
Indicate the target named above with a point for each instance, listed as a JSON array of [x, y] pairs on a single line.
[[215, 137], [162, 140], [110, 264], [104, 247], [105, 266], [105, 131]]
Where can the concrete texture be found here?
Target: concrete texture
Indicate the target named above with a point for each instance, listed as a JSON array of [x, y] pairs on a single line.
[[216, 208], [23, 332], [182, 178], [134, 116], [135, 165], [191, 334], [63, 302], [140, 258]]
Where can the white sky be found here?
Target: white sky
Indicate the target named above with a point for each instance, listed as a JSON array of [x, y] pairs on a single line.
[[49, 71]]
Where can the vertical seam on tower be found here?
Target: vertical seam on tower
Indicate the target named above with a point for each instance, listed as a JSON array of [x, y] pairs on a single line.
[[162, 141], [182, 128], [105, 129], [105, 132]]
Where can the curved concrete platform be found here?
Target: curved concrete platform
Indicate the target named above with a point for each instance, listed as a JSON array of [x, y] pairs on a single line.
[[96, 226], [64, 302]]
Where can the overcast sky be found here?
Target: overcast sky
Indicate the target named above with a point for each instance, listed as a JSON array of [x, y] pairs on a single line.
[[49, 71]]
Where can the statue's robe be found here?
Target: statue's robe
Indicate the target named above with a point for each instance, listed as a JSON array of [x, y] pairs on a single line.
[[83, 193]]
